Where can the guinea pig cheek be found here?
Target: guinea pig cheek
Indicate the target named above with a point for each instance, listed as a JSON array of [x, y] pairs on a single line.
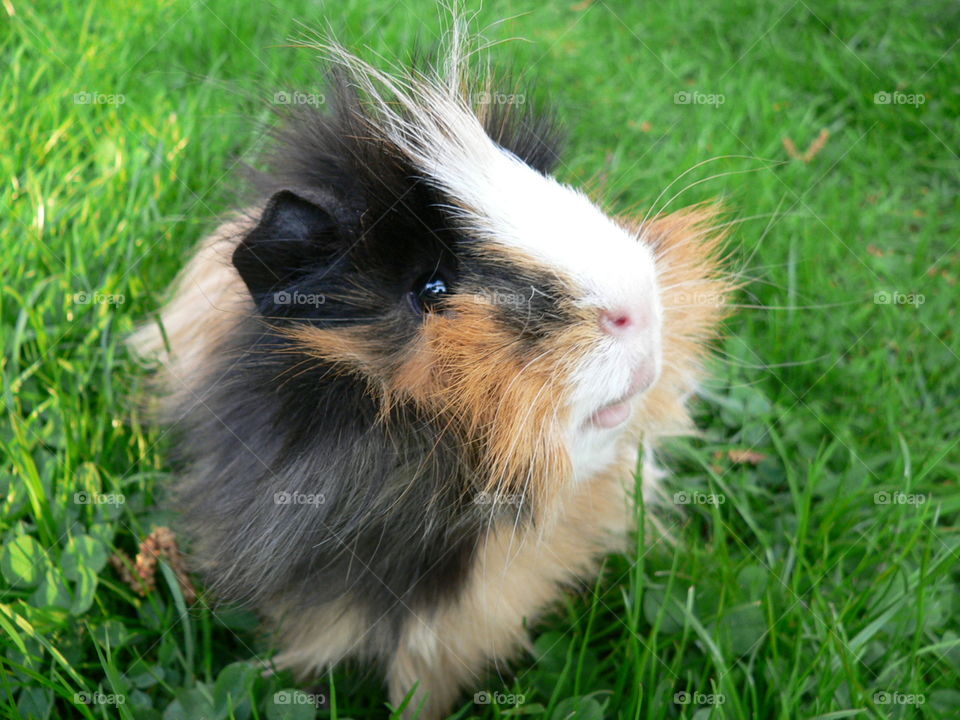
[[466, 368], [418, 376]]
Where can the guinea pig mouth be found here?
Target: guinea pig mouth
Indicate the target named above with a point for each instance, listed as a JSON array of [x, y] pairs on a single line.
[[612, 415]]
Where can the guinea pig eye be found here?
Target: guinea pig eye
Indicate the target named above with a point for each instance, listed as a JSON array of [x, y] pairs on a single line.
[[428, 291]]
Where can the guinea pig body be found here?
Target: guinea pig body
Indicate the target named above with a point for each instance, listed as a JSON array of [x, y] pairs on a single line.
[[409, 385]]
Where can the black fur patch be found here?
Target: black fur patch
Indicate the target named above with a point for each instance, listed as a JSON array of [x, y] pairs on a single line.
[[295, 492], [516, 122]]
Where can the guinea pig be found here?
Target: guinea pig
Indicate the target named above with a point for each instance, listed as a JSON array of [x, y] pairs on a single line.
[[410, 383]]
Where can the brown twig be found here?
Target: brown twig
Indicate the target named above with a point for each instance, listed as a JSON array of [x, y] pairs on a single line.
[[815, 147], [745, 457]]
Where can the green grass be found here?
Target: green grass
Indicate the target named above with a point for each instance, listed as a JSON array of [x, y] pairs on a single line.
[[801, 595]]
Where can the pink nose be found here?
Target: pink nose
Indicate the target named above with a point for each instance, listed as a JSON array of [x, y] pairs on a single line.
[[622, 322]]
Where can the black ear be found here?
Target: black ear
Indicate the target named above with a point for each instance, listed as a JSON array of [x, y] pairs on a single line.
[[294, 235]]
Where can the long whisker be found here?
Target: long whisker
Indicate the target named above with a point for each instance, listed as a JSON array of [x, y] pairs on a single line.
[[708, 179], [690, 170]]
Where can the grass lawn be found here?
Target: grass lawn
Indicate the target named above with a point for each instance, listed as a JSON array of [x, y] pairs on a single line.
[[814, 576]]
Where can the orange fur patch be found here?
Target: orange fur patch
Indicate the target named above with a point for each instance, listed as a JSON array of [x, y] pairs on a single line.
[[695, 293]]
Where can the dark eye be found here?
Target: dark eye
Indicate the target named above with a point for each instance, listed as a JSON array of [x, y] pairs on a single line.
[[428, 291]]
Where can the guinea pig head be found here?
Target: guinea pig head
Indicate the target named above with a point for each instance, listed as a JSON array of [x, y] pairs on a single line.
[[418, 241]]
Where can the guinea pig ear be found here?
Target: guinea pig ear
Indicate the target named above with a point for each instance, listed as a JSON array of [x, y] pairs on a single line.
[[294, 235]]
